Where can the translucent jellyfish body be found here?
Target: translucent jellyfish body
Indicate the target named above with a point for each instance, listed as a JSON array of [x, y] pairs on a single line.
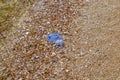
[[56, 39]]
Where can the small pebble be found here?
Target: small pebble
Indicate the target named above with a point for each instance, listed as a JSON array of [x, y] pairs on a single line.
[[55, 38]]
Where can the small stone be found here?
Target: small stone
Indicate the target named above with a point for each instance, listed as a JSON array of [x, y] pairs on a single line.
[[27, 33], [87, 0], [67, 70], [53, 54], [48, 22]]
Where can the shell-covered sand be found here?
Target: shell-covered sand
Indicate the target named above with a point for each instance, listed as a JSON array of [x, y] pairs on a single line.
[[91, 32]]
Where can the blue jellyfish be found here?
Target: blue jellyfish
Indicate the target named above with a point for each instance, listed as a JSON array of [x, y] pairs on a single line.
[[55, 38]]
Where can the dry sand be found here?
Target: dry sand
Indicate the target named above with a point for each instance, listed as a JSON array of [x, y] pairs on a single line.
[[91, 30]]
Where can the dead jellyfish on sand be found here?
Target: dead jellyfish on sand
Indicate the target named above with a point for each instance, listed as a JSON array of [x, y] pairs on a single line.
[[55, 38]]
